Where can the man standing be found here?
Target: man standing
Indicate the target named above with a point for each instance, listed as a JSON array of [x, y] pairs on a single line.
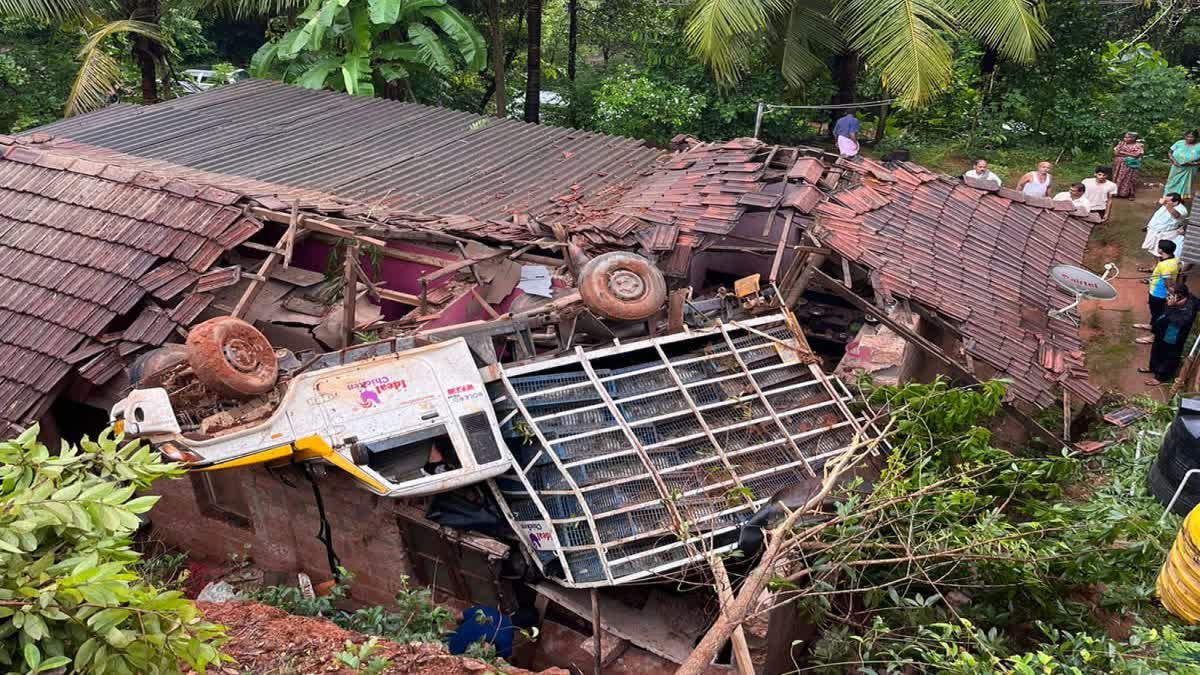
[[1166, 223], [1099, 191], [1162, 278], [1036, 183], [845, 131], [981, 172], [1075, 196]]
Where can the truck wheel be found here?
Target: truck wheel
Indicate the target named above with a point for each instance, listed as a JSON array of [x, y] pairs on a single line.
[[622, 286], [231, 357], [147, 370]]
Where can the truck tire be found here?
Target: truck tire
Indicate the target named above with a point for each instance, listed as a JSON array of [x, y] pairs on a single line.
[[146, 370], [231, 357], [622, 286]]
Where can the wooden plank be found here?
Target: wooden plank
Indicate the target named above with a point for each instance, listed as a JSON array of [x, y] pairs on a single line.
[[596, 630], [482, 304], [289, 243], [787, 228], [255, 287], [349, 293], [741, 650]]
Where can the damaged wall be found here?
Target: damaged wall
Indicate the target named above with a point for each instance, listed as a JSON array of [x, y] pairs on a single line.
[[279, 530]]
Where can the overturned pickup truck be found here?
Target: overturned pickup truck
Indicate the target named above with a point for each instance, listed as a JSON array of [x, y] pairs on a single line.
[[612, 465], [404, 423]]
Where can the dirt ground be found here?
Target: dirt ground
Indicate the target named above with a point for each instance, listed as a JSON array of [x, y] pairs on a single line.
[[268, 641], [1107, 327]]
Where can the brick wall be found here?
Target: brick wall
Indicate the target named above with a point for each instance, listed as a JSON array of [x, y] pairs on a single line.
[[281, 534]]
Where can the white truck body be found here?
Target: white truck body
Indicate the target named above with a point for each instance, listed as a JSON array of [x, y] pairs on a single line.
[[374, 418]]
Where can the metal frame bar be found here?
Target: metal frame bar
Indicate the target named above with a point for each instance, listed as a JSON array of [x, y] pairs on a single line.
[[633, 439], [770, 409], [566, 476]]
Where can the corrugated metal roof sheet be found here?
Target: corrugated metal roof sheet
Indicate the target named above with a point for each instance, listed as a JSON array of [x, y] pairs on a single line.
[[400, 155]]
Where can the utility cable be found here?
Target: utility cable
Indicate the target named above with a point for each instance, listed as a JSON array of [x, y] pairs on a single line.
[[324, 533]]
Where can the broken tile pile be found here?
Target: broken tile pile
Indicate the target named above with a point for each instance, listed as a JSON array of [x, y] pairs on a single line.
[[977, 256]]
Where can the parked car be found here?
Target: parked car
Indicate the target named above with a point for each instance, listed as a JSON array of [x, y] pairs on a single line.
[[195, 80]]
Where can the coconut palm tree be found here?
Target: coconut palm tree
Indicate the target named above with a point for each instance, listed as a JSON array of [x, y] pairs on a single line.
[[901, 40], [106, 22]]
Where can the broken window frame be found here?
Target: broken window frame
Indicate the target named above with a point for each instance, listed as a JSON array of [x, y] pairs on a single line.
[[213, 505]]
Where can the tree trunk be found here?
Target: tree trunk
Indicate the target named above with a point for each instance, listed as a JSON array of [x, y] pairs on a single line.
[[533, 70], [845, 69], [499, 62], [143, 54], [987, 64], [572, 36]]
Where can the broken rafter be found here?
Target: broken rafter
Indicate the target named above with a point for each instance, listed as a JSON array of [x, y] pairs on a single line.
[[349, 294], [957, 369]]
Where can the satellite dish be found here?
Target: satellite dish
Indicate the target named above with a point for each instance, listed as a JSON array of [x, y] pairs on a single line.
[[1083, 284]]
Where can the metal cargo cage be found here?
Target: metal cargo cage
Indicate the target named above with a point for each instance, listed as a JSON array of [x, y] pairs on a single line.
[[637, 459]]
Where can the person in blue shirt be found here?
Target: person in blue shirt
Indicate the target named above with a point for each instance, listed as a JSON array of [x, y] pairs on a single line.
[[488, 624], [845, 132]]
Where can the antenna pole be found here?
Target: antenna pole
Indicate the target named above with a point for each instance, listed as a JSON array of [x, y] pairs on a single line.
[[758, 117]]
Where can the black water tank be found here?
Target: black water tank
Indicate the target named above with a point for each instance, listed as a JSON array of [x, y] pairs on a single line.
[[1180, 453]]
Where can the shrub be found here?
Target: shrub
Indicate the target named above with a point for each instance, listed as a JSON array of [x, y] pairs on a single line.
[[70, 594]]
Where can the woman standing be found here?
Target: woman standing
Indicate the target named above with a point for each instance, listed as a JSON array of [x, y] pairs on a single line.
[[1127, 160], [1184, 156], [1171, 329]]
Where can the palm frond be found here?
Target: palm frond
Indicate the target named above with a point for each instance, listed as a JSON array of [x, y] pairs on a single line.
[[146, 30], [94, 84], [901, 40], [462, 33], [1011, 27], [41, 9], [716, 31], [247, 8], [809, 28]]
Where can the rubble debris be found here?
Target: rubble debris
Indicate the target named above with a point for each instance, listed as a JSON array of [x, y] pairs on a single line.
[[264, 639], [218, 592]]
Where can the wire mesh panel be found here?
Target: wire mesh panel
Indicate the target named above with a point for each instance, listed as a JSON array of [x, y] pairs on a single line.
[[645, 456]]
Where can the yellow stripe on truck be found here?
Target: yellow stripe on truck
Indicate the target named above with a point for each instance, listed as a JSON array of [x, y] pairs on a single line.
[[311, 447], [256, 458]]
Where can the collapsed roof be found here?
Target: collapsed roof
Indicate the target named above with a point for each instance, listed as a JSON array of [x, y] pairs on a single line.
[[83, 244], [976, 256], [970, 257]]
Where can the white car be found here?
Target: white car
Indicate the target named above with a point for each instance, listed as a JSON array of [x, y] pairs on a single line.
[[196, 80]]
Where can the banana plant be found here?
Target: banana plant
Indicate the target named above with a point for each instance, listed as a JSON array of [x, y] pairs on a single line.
[[344, 44]]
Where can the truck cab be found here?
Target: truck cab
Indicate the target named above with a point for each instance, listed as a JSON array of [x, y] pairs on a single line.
[[403, 423]]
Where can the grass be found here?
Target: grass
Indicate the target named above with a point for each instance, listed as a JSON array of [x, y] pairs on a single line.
[[1112, 351]]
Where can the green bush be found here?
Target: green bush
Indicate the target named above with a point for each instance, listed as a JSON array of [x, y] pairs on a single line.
[[70, 594]]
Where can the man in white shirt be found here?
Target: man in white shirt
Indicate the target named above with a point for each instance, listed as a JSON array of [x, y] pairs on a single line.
[[1036, 183], [1075, 196], [981, 172], [1099, 191], [1166, 223]]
